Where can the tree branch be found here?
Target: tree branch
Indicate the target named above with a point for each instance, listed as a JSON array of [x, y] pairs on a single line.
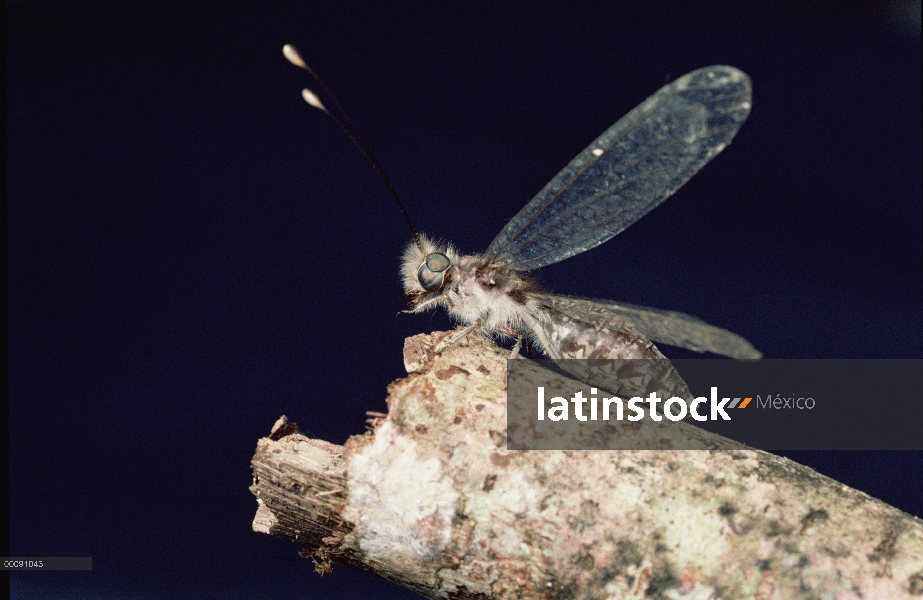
[[433, 500]]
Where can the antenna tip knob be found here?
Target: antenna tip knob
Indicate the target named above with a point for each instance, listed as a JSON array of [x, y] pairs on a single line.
[[293, 56], [312, 99]]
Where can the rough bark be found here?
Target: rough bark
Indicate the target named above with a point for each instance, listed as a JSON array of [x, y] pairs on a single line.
[[431, 498]]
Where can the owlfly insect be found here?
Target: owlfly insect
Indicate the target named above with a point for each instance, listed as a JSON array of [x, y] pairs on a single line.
[[627, 171]]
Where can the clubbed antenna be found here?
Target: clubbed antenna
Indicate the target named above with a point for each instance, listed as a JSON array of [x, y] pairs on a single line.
[[348, 128], [312, 99]]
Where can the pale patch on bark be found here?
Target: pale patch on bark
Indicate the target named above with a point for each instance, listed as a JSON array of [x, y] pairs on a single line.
[[401, 504]]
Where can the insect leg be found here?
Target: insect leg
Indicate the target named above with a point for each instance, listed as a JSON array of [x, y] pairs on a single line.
[[457, 336], [516, 336], [516, 348], [422, 306]]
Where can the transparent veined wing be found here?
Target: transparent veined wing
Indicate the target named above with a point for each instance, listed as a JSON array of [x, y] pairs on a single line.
[[664, 326], [632, 167]]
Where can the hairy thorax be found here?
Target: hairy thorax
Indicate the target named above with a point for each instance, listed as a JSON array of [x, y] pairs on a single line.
[[495, 298]]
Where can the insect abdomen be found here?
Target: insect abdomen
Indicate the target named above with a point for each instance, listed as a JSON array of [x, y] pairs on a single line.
[[638, 367]]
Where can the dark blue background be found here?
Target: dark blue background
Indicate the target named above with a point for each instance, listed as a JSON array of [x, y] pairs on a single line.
[[194, 252]]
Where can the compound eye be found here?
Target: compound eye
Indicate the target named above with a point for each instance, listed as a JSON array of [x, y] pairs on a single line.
[[428, 280], [437, 262]]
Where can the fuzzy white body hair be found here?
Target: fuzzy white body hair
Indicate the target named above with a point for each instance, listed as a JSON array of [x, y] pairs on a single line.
[[496, 299]]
